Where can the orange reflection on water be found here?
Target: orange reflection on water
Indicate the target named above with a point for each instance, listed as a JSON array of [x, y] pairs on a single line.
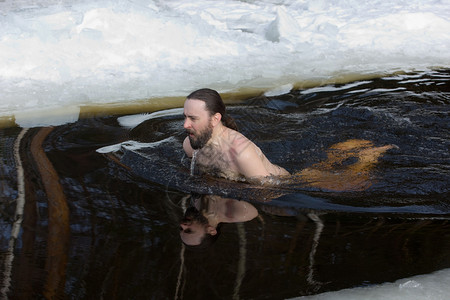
[[58, 214]]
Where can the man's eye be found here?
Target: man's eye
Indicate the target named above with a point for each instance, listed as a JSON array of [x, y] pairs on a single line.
[[188, 230]]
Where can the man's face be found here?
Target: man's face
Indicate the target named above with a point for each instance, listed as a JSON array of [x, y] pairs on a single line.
[[197, 123], [193, 227]]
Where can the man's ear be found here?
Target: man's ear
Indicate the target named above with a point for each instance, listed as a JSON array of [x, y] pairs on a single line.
[[211, 230], [216, 118]]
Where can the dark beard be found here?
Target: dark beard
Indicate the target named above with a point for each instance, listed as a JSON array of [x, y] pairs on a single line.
[[200, 141]]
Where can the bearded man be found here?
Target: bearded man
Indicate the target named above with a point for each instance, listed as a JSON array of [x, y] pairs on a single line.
[[219, 148]]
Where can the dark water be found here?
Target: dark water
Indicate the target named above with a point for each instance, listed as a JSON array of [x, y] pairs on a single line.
[[95, 227]]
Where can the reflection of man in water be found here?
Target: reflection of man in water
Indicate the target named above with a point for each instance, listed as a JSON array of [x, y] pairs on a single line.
[[200, 224], [220, 149]]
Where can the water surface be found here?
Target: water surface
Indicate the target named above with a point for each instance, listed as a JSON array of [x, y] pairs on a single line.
[[96, 227]]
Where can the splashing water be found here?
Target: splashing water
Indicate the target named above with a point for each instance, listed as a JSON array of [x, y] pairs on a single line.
[[194, 156]]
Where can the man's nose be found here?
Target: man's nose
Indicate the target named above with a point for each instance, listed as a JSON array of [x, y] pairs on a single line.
[[184, 226], [187, 123]]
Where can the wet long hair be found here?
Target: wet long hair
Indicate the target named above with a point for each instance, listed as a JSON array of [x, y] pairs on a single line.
[[214, 104]]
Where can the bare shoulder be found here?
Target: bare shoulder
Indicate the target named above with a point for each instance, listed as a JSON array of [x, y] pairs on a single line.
[[247, 157], [238, 142], [187, 147]]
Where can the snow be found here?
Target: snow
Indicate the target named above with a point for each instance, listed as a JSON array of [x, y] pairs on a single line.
[[59, 53]]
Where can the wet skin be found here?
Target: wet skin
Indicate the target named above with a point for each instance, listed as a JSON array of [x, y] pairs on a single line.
[[227, 153]]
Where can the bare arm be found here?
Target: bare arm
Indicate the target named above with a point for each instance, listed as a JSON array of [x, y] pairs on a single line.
[[249, 161]]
